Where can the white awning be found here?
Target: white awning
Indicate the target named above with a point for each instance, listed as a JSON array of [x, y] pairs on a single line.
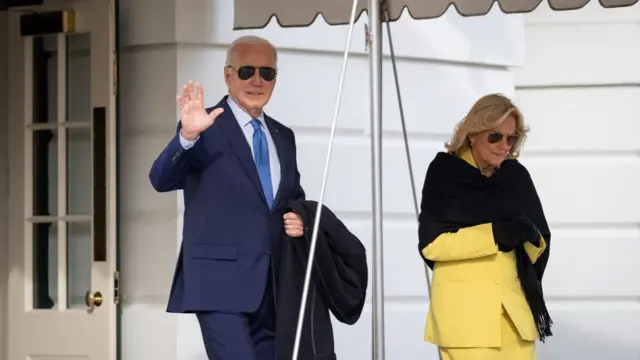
[[255, 14]]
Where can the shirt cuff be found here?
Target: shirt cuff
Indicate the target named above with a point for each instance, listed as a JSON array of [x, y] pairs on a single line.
[[187, 144]]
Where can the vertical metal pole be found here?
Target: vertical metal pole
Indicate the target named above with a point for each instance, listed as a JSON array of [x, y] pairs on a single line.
[[316, 222], [375, 60]]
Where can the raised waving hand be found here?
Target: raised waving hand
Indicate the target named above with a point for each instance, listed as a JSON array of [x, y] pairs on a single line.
[[193, 115]]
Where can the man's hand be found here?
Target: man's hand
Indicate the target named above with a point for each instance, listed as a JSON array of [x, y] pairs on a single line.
[[193, 116], [293, 226]]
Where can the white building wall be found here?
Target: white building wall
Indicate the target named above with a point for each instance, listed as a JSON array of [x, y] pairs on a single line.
[[579, 91], [444, 65], [4, 183]]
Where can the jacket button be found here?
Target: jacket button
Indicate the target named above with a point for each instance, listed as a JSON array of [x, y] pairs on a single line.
[[497, 281]]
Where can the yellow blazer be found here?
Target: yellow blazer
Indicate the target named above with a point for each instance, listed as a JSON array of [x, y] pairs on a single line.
[[472, 282]]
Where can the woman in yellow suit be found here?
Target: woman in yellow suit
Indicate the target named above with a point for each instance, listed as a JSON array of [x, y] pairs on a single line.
[[484, 234]]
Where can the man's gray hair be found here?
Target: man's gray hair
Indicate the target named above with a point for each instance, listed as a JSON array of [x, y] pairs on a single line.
[[249, 40]]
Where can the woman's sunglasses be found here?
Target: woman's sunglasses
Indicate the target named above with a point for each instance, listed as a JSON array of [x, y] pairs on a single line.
[[495, 137], [246, 72]]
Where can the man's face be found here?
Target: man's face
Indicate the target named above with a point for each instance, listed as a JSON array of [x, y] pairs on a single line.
[[251, 77]]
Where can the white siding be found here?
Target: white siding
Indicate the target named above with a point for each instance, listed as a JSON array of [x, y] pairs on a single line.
[[578, 90], [4, 186]]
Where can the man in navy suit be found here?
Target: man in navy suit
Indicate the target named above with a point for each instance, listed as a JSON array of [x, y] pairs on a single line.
[[238, 169]]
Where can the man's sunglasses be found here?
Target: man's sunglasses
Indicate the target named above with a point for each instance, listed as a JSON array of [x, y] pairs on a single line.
[[495, 137], [246, 72]]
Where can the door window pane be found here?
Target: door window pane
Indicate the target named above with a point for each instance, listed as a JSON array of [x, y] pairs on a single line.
[[79, 171], [79, 260], [45, 173], [79, 78], [45, 265], [45, 78]]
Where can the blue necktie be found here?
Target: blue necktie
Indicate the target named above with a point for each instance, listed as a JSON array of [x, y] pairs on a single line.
[[261, 158]]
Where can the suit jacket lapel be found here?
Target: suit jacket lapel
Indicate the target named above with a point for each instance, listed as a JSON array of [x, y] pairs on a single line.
[[283, 149], [232, 130]]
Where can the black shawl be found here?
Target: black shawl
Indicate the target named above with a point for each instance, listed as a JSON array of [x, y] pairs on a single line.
[[456, 195], [338, 284]]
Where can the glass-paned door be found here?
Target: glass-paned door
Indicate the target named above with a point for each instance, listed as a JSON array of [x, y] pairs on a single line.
[[63, 178]]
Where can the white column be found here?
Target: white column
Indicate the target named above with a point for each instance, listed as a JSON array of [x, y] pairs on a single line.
[[149, 220]]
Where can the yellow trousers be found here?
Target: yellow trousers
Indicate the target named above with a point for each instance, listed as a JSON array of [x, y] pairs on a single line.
[[513, 347]]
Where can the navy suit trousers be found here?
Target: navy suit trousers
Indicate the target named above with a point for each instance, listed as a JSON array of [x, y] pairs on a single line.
[[241, 336]]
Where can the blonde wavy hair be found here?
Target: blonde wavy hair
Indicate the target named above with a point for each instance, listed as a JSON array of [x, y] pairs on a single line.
[[488, 112]]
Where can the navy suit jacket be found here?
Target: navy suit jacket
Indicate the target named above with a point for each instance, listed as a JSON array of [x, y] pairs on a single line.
[[229, 234]]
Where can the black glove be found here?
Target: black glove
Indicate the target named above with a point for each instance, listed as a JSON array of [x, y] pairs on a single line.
[[511, 233], [530, 231]]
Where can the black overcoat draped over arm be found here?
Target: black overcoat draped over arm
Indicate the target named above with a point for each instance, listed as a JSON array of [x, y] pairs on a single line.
[[339, 284]]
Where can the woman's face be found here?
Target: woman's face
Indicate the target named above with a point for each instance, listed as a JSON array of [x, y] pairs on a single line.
[[490, 148]]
